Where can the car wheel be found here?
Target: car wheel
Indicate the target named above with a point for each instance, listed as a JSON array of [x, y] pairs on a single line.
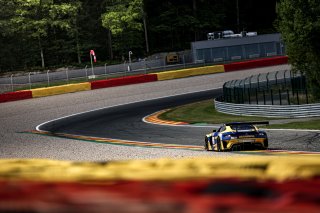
[[219, 145], [206, 147]]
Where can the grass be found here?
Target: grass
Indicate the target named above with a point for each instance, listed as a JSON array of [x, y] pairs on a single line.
[[204, 112]]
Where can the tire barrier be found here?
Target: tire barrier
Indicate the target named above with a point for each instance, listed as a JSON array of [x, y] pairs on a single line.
[[190, 72], [123, 81], [15, 96], [57, 90], [256, 63]]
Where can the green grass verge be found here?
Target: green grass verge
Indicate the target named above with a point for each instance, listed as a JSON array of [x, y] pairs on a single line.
[[204, 112]]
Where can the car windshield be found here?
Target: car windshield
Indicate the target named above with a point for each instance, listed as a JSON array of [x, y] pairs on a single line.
[[242, 127]]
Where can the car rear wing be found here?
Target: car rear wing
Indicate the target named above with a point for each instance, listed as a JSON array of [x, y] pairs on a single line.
[[246, 123]]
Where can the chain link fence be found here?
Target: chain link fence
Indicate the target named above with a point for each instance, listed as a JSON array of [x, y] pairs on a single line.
[[275, 88]]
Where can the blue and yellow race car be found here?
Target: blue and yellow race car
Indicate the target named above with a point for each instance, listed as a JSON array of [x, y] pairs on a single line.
[[237, 136]]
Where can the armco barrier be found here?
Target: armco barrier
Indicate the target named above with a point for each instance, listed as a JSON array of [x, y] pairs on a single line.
[[285, 111], [190, 72], [57, 90], [15, 96], [256, 63], [123, 81]]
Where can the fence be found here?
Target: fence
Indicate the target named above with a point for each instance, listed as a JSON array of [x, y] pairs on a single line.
[[276, 88], [156, 63], [285, 111]]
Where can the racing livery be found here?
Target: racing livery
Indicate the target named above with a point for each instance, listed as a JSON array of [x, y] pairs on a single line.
[[237, 136]]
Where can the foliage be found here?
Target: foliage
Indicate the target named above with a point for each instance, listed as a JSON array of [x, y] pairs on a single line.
[[61, 32], [299, 23]]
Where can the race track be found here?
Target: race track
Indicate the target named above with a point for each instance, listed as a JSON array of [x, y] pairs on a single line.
[[21, 116], [125, 123]]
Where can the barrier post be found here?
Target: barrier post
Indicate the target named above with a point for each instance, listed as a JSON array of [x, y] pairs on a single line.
[[145, 67], [105, 69], [67, 74], [48, 78], [86, 70], [29, 80], [288, 95], [11, 82]]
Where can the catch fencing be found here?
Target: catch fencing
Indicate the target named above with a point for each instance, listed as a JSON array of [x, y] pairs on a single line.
[[277, 88]]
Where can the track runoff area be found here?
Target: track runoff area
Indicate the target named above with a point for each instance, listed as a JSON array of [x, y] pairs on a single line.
[[280, 183]]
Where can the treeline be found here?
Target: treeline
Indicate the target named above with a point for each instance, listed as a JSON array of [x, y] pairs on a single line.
[[38, 34]]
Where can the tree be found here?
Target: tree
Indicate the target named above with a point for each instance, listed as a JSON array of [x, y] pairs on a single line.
[[123, 18], [299, 23], [34, 19]]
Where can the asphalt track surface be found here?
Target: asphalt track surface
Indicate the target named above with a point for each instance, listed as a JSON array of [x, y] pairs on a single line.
[[19, 117], [124, 122]]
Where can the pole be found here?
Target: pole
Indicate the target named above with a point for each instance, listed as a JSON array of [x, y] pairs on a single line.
[[91, 64], [67, 75], [12, 82], [48, 78], [85, 68], [29, 80]]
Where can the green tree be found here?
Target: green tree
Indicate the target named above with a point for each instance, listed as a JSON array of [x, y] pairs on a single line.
[[124, 20], [34, 19], [299, 23]]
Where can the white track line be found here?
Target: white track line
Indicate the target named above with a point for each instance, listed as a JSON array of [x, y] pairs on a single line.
[[39, 126]]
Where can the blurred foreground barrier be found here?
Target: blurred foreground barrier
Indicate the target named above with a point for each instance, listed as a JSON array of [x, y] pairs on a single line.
[[256, 63], [200, 196], [284, 111], [123, 81], [15, 96], [57, 90], [190, 72], [258, 167]]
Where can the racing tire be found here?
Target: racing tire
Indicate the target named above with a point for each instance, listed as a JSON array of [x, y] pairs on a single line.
[[206, 141], [219, 145]]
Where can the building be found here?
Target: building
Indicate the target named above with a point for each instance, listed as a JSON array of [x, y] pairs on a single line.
[[239, 48]]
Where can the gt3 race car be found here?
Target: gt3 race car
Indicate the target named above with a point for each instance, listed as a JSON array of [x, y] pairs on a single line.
[[237, 136]]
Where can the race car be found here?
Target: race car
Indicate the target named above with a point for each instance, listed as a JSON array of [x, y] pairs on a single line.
[[237, 136]]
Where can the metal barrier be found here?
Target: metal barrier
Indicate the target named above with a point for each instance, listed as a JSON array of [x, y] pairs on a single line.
[[157, 63], [275, 88], [285, 111]]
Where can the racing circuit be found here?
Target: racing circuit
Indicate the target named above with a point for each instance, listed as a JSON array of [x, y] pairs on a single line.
[[125, 122], [117, 113], [106, 126]]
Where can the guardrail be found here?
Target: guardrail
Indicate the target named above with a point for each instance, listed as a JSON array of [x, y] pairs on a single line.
[[286, 111]]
